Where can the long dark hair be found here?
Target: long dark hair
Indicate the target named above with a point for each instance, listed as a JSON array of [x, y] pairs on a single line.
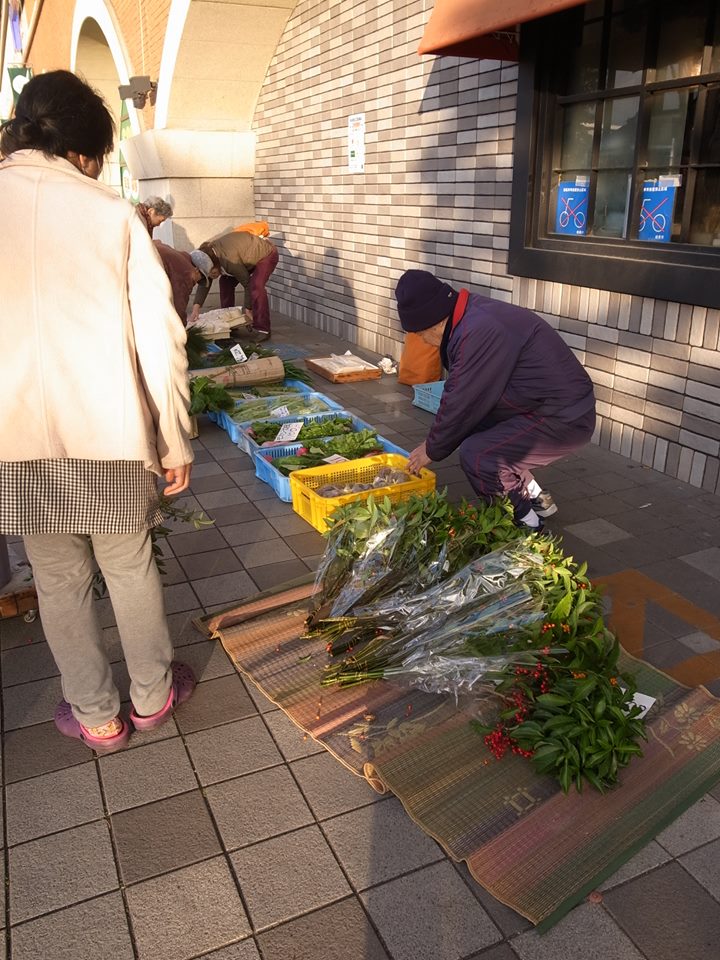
[[59, 113]]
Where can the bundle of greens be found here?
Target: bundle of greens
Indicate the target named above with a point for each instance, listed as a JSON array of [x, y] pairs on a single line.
[[224, 358], [352, 446], [196, 347], [221, 358], [436, 536], [410, 608], [448, 653], [297, 405], [207, 396], [265, 431], [266, 390], [292, 371], [451, 601]]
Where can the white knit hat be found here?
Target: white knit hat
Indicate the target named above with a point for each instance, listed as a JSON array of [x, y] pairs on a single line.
[[203, 262]]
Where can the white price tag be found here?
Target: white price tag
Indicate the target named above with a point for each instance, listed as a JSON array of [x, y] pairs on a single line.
[[335, 458], [280, 412], [254, 356], [238, 353], [289, 432], [643, 701]]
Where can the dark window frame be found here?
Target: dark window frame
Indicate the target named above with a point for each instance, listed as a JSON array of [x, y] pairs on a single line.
[[684, 273]]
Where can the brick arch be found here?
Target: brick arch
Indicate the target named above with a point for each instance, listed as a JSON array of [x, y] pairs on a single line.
[[97, 53], [94, 23], [215, 57]]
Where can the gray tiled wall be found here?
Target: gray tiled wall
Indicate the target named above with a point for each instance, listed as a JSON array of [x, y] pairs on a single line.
[[436, 193]]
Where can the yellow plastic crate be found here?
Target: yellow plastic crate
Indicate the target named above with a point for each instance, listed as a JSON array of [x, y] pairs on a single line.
[[316, 509]]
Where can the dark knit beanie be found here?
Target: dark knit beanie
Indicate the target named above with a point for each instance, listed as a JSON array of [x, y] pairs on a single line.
[[423, 300]]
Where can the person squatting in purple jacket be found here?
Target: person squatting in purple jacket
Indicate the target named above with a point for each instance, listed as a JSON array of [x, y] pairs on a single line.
[[516, 397]]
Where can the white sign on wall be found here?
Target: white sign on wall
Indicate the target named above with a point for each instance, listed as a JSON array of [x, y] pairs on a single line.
[[356, 143]]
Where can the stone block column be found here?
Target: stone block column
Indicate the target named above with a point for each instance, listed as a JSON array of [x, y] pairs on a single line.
[[206, 175]]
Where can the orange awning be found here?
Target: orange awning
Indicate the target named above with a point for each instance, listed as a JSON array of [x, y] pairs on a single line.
[[484, 29]]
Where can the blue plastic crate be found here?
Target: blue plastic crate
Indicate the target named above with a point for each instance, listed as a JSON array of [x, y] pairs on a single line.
[[248, 445], [280, 401], [302, 388], [233, 428], [268, 473], [428, 395]]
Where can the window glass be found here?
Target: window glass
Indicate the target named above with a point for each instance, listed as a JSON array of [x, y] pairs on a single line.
[[612, 203], [627, 44], [594, 9], [710, 141], [631, 6], [577, 136], [616, 183], [584, 65], [715, 59], [630, 166], [682, 39], [671, 118], [619, 126], [705, 226]]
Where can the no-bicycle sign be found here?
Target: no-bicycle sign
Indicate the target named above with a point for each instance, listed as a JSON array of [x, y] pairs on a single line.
[[656, 213], [571, 211]]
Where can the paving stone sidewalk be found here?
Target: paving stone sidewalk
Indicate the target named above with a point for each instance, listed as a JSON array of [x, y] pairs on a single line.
[[226, 835]]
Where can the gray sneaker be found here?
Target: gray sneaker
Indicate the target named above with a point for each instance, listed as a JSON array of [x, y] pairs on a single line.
[[544, 505]]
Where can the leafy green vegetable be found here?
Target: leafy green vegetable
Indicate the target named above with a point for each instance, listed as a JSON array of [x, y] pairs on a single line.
[[208, 396], [265, 431], [292, 372], [196, 346], [351, 446], [225, 359], [297, 405], [266, 390]]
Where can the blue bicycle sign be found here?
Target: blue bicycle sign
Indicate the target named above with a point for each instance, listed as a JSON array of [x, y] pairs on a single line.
[[571, 210], [656, 212]]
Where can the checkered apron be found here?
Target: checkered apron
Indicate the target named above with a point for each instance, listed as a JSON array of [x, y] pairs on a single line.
[[77, 496]]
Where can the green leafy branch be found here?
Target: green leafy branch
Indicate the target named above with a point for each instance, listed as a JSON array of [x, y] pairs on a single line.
[[207, 396]]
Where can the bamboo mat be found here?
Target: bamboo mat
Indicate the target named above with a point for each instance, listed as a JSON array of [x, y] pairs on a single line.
[[531, 847]]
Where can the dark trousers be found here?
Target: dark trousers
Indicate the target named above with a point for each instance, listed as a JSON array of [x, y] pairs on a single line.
[[498, 460], [256, 298]]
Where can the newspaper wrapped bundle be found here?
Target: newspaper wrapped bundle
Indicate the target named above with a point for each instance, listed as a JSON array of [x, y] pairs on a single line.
[[248, 374], [218, 323]]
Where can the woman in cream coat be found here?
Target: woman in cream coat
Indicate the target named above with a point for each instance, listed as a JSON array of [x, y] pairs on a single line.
[[94, 393]]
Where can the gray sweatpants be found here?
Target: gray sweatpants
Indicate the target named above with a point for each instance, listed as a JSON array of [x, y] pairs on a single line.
[[63, 570]]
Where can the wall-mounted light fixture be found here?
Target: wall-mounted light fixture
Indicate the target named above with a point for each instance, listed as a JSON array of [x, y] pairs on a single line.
[[140, 90]]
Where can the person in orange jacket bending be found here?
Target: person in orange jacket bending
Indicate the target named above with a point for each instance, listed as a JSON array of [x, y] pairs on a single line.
[[237, 257]]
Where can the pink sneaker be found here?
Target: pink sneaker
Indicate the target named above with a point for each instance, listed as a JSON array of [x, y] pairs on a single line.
[[70, 727], [183, 684]]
